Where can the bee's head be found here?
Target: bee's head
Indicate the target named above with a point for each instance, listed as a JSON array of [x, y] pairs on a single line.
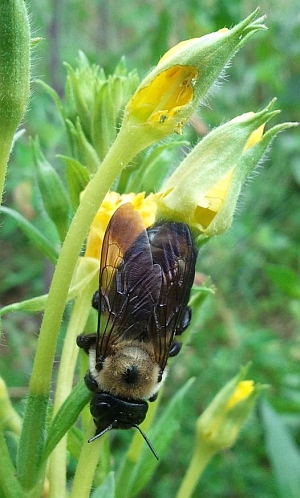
[[110, 412]]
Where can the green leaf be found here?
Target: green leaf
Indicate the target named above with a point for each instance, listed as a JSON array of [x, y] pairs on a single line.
[[35, 236], [285, 279], [283, 453], [107, 489], [9, 485], [77, 177], [66, 416]]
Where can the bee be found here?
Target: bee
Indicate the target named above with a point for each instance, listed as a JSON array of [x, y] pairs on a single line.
[[145, 281]]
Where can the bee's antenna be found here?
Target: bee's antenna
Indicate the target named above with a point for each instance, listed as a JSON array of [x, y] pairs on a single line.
[[147, 441], [109, 428]]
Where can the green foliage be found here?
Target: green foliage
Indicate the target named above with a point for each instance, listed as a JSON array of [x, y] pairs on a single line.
[[283, 453]]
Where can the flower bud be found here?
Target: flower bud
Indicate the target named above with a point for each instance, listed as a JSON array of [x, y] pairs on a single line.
[[14, 64], [14, 75], [220, 423], [204, 189], [169, 95], [95, 103]]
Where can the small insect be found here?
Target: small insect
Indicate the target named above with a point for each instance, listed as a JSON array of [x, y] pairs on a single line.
[[144, 286]]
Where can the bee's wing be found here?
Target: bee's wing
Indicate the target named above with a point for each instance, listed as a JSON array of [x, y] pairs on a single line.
[[173, 249], [129, 283]]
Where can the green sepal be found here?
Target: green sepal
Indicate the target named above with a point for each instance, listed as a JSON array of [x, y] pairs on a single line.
[[77, 176], [53, 192], [103, 126], [81, 86], [156, 164], [109, 106], [55, 97], [82, 149]]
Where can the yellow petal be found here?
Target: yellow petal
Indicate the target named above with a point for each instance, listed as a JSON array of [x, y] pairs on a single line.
[[255, 137], [146, 205], [171, 90], [212, 201], [242, 391]]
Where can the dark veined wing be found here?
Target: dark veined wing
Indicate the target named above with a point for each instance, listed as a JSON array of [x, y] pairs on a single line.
[[129, 282], [173, 249]]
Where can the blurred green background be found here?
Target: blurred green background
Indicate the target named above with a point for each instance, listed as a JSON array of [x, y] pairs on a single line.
[[255, 313]]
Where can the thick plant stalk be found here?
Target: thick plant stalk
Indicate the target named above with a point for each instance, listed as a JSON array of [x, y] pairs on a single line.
[[14, 74]]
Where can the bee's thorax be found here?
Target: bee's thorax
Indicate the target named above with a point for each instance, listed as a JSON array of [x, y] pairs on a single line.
[[129, 372]]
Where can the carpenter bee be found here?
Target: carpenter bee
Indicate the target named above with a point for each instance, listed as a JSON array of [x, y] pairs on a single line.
[[144, 286]]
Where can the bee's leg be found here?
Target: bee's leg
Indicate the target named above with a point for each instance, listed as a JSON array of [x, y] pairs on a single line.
[[175, 348], [185, 321], [153, 397], [95, 301], [86, 341], [90, 382]]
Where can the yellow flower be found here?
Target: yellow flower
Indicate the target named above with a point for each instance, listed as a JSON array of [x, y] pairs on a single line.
[[171, 92], [112, 200]]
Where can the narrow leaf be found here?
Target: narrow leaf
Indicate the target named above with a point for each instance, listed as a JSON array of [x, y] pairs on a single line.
[[66, 416], [283, 454], [35, 236], [9, 485], [107, 489]]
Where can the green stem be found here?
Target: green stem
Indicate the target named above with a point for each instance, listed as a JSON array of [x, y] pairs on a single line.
[[202, 455], [5, 145], [79, 316], [123, 150], [87, 464]]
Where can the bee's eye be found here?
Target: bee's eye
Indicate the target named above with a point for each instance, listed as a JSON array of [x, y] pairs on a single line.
[[100, 411]]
